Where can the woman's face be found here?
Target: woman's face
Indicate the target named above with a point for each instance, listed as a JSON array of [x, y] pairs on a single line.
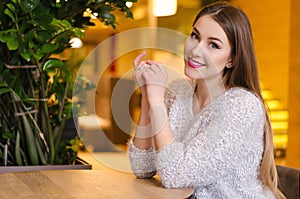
[[207, 50]]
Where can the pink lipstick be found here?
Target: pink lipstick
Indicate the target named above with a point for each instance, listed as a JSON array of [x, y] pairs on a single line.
[[194, 64]]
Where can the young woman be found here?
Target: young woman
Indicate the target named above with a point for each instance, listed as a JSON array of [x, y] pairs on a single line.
[[214, 134]]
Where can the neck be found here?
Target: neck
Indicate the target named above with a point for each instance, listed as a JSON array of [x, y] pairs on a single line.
[[208, 90]]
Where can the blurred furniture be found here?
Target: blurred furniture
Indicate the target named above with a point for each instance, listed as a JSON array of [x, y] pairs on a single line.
[[111, 133], [84, 184], [122, 105], [289, 179], [92, 131]]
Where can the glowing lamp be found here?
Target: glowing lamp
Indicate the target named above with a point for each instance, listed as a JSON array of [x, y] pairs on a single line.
[[76, 42], [164, 7]]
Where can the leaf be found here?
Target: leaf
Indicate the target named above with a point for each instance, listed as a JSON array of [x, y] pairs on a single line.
[[28, 5], [40, 151], [7, 135], [65, 24], [2, 83], [29, 36], [26, 55], [31, 44], [11, 80], [4, 90], [11, 7], [52, 64], [47, 48], [105, 8], [31, 145], [75, 144], [40, 10], [10, 39], [38, 56], [41, 15], [44, 19], [43, 35], [78, 32], [10, 14], [18, 150]]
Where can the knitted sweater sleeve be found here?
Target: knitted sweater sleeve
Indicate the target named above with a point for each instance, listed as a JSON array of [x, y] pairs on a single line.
[[223, 145], [142, 161]]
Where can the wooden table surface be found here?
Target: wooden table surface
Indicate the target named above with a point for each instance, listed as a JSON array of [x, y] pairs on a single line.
[[84, 184]]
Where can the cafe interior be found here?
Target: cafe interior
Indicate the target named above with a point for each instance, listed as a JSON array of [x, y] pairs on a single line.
[[105, 56]]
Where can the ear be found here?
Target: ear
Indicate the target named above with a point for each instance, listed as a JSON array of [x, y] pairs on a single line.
[[229, 64]]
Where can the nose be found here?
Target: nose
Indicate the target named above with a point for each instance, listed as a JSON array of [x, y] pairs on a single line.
[[197, 50]]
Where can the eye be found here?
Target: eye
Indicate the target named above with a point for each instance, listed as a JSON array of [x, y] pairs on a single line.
[[214, 45], [194, 36]]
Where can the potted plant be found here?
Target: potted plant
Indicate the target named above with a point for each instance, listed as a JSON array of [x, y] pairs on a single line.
[[35, 85]]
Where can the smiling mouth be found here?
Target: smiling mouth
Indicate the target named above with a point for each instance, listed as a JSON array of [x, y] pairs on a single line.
[[194, 64]]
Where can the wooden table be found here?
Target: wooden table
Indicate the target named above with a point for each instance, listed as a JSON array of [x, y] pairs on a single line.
[[104, 184]]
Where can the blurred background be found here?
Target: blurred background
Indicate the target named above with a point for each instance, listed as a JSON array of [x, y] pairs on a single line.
[[276, 30]]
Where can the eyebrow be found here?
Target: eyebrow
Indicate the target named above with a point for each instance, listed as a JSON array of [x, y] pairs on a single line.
[[211, 38]]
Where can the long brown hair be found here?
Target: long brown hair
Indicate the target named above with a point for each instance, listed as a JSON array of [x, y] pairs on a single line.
[[244, 73]]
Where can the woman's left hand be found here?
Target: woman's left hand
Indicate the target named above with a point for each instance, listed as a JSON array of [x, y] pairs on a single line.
[[156, 79]]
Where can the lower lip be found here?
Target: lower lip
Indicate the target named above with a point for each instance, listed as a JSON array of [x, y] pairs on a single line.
[[192, 65]]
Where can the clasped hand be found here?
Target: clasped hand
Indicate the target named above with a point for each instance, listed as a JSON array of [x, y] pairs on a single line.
[[151, 77]]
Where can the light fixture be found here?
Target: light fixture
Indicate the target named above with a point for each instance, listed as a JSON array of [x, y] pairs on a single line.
[[129, 4], [164, 7], [273, 104], [76, 42], [279, 115], [281, 125]]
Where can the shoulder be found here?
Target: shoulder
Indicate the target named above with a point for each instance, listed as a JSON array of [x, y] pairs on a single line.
[[242, 95], [242, 99]]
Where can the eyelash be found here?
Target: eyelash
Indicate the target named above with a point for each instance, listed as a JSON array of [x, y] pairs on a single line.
[[214, 45], [196, 37]]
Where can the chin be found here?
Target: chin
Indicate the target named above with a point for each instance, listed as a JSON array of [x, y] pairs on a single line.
[[192, 73]]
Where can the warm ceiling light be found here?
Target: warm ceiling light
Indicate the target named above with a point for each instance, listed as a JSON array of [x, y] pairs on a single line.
[[129, 4], [279, 115], [164, 7], [280, 125], [76, 42]]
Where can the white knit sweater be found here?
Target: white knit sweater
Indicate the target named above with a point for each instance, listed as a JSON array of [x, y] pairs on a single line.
[[217, 151]]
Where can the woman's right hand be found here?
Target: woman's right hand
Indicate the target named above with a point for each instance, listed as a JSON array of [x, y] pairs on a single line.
[[139, 67]]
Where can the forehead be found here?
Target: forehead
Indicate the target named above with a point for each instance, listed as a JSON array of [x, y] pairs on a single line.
[[208, 27]]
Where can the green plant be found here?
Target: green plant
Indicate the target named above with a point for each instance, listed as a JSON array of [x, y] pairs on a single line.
[[36, 88]]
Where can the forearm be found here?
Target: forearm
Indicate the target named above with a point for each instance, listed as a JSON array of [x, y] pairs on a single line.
[[143, 138], [160, 124]]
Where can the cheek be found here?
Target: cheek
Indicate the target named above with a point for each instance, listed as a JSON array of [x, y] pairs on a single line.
[[189, 45], [221, 60]]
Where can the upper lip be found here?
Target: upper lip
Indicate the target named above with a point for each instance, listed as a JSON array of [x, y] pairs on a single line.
[[195, 62]]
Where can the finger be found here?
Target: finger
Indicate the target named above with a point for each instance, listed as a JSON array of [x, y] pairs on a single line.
[[147, 74], [139, 79], [161, 68], [150, 62], [158, 68], [158, 64], [142, 67], [138, 59]]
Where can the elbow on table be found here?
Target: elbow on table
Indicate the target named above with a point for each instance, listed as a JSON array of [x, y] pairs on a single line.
[[145, 175]]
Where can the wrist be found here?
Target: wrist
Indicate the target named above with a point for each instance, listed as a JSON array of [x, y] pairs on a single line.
[[156, 101]]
